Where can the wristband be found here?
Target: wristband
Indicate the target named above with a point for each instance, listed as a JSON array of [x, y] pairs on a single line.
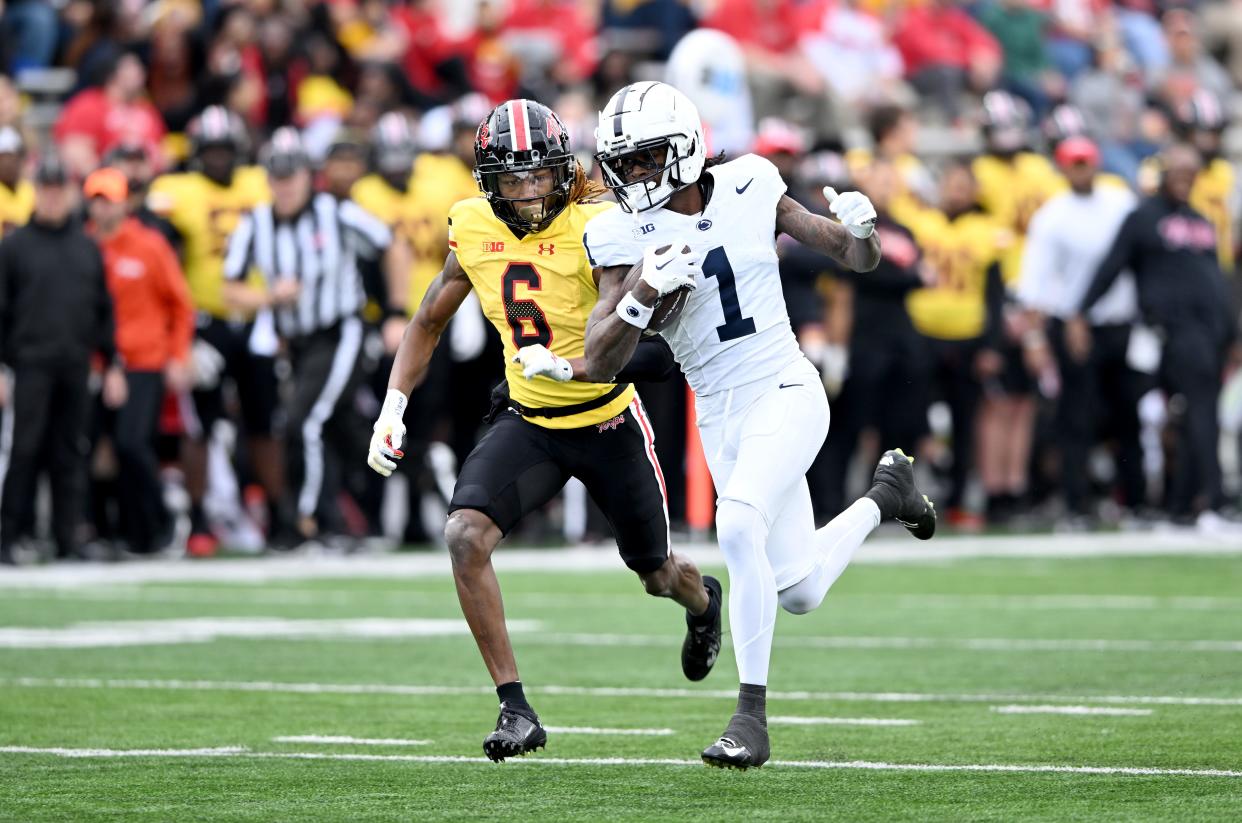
[[394, 404], [633, 312]]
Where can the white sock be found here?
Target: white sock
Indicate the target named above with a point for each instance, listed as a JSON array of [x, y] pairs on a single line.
[[752, 588], [835, 544]]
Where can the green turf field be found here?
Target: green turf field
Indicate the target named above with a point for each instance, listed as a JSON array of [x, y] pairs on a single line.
[[931, 683]]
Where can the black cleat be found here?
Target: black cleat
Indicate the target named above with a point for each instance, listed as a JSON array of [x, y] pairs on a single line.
[[702, 643], [743, 745], [893, 490], [515, 735]]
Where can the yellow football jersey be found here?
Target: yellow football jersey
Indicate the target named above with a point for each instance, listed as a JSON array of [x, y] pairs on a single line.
[[1212, 197], [418, 214], [205, 214], [960, 251], [15, 206], [538, 289], [1012, 192]]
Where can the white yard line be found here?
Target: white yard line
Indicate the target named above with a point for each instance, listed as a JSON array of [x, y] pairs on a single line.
[[971, 644], [840, 721], [234, 751], [220, 751], [601, 558], [1077, 710], [601, 691], [352, 741], [592, 730]]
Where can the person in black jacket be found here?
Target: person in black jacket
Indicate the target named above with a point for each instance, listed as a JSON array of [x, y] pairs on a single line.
[[1184, 303], [55, 314]]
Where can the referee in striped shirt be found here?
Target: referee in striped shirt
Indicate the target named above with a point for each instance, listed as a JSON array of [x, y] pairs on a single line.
[[310, 249]]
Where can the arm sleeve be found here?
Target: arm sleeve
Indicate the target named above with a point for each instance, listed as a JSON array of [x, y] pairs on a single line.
[[375, 235], [240, 249], [177, 298], [652, 362], [1117, 259]]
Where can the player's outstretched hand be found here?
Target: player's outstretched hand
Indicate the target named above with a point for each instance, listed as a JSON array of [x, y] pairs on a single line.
[[669, 268], [537, 361], [853, 209], [388, 434]]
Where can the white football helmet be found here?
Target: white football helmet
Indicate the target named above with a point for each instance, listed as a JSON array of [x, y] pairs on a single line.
[[637, 123]]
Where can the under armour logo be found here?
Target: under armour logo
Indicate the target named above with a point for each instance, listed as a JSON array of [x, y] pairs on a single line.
[[547, 248]]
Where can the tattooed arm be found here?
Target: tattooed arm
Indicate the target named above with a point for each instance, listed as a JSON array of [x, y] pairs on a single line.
[[610, 341], [444, 296], [827, 236]]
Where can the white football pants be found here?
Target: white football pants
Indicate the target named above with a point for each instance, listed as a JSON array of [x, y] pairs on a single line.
[[759, 440]]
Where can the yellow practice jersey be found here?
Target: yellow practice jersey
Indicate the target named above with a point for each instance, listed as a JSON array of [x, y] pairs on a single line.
[[205, 213], [1212, 197], [538, 289], [418, 213], [960, 252], [15, 206], [1012, 192]]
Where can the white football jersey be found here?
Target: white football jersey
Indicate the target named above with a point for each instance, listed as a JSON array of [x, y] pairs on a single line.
[[734, 329]]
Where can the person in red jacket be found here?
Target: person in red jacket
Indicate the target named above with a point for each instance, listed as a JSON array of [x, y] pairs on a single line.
[[946, 52], [154, 329], [97, 119]]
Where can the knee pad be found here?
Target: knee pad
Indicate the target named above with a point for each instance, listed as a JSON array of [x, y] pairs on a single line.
[[801, 598], [737, 524]]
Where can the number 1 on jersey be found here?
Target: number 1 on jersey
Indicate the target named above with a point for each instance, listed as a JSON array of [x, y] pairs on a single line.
[[717, 265]]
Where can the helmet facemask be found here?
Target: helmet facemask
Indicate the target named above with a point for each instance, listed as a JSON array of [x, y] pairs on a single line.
[[664, 178], [530, 215]]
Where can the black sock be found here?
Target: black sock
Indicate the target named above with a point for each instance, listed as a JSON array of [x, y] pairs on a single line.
[[753, 700], [710, 613], [512, 696], [885, 500]]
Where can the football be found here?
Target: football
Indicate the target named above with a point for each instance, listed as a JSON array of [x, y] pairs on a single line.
[[669, 307]]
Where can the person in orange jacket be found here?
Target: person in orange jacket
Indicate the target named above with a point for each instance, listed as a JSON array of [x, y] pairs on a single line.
[[154, 330]]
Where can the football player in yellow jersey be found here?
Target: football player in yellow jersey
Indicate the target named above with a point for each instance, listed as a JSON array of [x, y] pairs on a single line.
[[519, 247], [16, 194], [204, 206], [1201, 121], [960, 313]]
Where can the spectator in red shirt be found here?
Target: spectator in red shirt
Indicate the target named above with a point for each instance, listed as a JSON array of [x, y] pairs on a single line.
[[154, 328], [97, 119], [555, 33], [946, 52]]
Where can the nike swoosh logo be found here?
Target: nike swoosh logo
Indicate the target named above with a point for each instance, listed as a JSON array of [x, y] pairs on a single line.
[[731, 751], [742, 189], [658, 268], [789, 385]]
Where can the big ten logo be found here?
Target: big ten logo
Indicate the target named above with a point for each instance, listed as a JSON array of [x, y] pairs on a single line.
[[645, 229], [493, 245], [953, 266], [221, 222]]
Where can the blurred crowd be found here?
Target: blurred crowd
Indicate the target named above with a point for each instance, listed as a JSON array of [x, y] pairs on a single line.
[[1053, 327]]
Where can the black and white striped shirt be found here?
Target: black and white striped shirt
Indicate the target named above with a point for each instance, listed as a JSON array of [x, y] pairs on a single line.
[[320, 248]]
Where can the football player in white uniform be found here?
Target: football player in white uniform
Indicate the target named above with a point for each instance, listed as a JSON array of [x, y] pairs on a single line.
[[711, 226]]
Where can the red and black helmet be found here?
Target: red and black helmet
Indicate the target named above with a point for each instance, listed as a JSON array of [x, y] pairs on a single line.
[[522, 136]]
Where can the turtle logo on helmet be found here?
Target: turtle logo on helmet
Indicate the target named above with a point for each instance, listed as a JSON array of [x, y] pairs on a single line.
[[516, 138]]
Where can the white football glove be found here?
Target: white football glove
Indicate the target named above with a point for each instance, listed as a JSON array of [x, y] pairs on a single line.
[[206, 363], [536, 360], [669, 268], [853, 209], [388, 434]]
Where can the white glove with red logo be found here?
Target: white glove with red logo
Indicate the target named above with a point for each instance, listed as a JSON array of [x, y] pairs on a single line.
[[388, 434]]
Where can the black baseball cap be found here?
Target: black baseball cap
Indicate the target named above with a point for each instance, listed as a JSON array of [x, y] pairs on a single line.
[[51, 171]]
